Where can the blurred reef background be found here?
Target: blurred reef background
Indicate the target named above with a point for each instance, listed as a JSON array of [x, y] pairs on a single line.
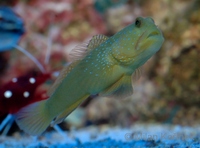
[[168, 91]]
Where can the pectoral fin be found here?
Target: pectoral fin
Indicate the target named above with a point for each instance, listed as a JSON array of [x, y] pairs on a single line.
[[80, 51], [121, 89], [65, 113], [136, 75]]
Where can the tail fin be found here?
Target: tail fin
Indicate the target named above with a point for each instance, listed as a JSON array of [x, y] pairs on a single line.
[[33, 119]]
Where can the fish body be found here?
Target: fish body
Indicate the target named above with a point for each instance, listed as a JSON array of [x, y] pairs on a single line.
[[107, 68]]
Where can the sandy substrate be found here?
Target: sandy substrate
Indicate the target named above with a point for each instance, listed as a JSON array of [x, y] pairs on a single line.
[[139, 135]]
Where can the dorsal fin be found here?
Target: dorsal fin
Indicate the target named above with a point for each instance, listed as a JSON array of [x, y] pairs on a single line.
[[61, 76], [80, 51], [96, 41]]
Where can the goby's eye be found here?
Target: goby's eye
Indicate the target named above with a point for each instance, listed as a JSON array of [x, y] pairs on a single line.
[[137, 22]]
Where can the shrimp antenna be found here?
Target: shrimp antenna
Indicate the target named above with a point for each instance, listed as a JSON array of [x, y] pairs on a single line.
[[49, 46], [39, 65], [49, 41]]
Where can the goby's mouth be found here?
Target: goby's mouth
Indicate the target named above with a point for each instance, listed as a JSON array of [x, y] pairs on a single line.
[[154, 33]]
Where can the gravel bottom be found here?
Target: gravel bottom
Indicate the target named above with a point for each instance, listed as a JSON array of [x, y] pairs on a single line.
[[139, 135]]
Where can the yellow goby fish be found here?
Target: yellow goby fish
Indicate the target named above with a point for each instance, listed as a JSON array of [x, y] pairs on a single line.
[[105, 67]]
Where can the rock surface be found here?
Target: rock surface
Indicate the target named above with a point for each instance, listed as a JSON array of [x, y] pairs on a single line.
[[139, 135]]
